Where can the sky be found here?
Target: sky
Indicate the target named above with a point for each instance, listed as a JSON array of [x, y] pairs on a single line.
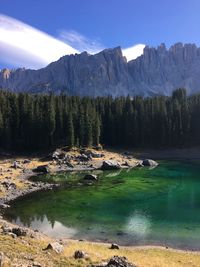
[[35, 32]]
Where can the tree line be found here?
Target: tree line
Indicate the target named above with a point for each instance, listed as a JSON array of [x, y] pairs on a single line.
[[34, 122]]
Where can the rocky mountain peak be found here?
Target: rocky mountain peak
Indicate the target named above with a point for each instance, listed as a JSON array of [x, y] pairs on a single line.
[[158, 71], [5, 73]]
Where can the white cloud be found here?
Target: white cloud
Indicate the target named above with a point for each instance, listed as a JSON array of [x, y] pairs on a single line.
[[23, 45], [81, 42], [133, 52]]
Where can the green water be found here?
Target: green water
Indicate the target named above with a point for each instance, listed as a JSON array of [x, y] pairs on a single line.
[[131, 207]]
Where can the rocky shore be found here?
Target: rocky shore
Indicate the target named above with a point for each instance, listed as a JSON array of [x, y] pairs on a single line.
[[16, 171], [26, 247]]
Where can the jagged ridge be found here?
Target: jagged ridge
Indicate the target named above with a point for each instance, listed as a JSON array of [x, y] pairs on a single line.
[[157, 71]]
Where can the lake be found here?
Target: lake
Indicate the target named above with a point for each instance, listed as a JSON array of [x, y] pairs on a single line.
[[142, 206]]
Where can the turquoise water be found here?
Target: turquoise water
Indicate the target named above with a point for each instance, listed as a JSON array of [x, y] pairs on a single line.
[[158, 206]]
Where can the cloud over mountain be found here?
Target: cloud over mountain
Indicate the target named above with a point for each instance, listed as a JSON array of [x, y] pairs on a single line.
[[24, 46]]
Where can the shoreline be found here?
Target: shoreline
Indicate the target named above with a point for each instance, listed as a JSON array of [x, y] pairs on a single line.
[[40, 186], [169, 154]]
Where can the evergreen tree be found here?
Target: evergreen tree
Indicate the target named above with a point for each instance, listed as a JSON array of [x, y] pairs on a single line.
[[70, 131]]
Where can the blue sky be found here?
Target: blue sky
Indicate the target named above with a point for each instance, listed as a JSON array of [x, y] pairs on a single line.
[[110, 23]]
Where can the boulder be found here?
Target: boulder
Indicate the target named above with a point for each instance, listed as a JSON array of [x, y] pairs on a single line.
[[6, 229], [26, 161], [41, 169], [114, 246], [97, 155], [4, 206], [19, 231], [139, 165], [55, 246], [14, 231], [58, 154], [149, 162], [8, 185], [79, 254], [117, 261], [91, 177], [110, 165], [15, 165], [84, 157]]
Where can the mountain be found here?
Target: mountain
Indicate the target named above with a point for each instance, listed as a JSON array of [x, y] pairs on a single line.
[[158, 71]]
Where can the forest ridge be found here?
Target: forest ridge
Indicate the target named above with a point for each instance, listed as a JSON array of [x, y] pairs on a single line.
[[32, 122]]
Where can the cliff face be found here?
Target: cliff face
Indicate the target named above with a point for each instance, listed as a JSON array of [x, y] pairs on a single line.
[[105, 73], [160, 71], [157, 71]]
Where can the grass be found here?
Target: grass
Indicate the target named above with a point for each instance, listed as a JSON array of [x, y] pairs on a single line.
[[27, 250]]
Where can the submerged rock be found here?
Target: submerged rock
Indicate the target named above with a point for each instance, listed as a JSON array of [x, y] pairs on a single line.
[[91, 177], [110, 165], [149, 162]]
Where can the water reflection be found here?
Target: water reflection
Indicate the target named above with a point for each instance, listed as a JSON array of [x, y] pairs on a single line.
[[138, 224], [54, 229]]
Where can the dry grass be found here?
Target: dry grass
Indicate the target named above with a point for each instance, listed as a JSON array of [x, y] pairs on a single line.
[[25, 251]]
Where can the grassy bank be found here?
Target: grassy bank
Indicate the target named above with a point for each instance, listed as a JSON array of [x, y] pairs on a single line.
[[28, 251]]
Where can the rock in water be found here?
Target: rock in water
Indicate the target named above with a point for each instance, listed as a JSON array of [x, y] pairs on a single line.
[[110, 165], [149, 162], [91, 177]]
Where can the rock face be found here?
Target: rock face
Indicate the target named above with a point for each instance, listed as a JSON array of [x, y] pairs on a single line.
[[105, 73], [160, 71], [157, 71]]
